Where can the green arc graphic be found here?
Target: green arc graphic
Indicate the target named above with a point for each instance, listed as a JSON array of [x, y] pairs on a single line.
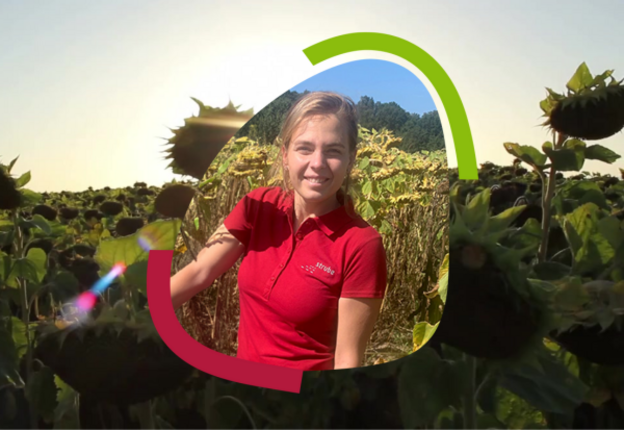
[[460, 129]]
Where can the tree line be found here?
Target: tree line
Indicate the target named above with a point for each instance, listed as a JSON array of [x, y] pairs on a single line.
[[419, 132]]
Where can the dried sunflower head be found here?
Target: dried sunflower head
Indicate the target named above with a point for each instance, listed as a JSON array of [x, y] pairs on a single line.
[[196, 144], [173, 201], [10, 197], [592, 109]]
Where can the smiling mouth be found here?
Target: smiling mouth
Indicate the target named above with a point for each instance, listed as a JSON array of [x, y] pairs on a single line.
[[317, 180]]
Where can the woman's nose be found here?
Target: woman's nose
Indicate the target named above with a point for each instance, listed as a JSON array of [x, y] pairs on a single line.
[[318, 159]]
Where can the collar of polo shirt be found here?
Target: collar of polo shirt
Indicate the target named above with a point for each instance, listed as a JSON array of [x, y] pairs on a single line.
[[329, 223]]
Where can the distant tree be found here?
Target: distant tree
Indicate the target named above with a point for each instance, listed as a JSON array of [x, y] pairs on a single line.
[[366, 112], [430, 122], [413, 134], [266, 124], [419, 132], [390, 115]]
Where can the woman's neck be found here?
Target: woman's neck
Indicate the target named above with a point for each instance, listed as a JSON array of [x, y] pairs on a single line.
[[304, 210]]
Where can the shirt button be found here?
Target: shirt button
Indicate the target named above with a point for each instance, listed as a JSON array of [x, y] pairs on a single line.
[[272, 278], [281, 266]]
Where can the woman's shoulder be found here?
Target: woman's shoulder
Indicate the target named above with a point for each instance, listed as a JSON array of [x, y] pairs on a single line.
[[361, 233]]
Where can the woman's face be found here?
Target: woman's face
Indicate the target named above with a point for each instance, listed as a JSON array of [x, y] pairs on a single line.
[[318, 158]]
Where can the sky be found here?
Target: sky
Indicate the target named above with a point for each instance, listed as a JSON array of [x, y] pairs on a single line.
[[90, 89], [384, 81]]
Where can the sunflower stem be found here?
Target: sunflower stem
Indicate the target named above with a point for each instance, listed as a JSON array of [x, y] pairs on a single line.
[[18, 247], [547, 196], [470, 397], [146, 417]]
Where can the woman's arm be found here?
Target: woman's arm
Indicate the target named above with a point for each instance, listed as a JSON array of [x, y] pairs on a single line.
[[221, 252], [356, 318]]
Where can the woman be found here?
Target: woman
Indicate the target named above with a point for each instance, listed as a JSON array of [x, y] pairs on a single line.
[[313, 276]]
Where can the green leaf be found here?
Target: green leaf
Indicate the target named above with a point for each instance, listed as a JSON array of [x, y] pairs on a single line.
[[63, 286], [570, 294], [19, 336], [477, 210], [551, 271], [513, 412], [364, 163], [443, 276], [39, 222], [12, 163], [6, 264], [569, 158], [599, 152], [546, 105], [591, 250], [504, 219], [22, 180], [554, 389], [227, 413], [528, 154], [369, 209], [136, 275], [600, 79], [367, 187], [66, 411], [226, 164], [390, 185], [610, 229], [584, 192], [41, 393], [159, 235], [582, 78], [31, 268], [29, 198], [375, 194], [421, 375], [386, 228], [555, 95], [9, 367], [423, 331]]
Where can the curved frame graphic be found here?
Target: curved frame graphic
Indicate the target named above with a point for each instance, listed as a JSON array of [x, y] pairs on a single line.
[[462, 137], [159, 262]]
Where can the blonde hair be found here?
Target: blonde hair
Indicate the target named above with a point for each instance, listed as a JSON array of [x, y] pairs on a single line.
[[319, 103]]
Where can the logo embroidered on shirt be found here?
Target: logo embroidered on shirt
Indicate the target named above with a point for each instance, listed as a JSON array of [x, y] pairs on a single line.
[[307, 268], [312, 269], [325, 268]]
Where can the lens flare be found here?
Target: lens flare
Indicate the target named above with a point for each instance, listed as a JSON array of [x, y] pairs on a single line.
[[146, 242], [86, 301], [104, 282]]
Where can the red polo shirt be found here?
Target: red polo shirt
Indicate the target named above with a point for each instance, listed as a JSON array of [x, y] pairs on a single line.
[[289, 285]]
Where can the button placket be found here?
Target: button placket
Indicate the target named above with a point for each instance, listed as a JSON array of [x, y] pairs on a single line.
[[277, 273]]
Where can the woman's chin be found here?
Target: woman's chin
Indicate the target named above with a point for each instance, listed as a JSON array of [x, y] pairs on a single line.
[[314, 195]]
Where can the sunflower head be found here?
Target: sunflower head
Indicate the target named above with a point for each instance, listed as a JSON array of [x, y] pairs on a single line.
[[591, 109], [196, 144]]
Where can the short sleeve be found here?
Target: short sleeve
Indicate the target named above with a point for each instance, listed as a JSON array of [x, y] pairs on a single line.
[[242, 218], [366, 271]]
